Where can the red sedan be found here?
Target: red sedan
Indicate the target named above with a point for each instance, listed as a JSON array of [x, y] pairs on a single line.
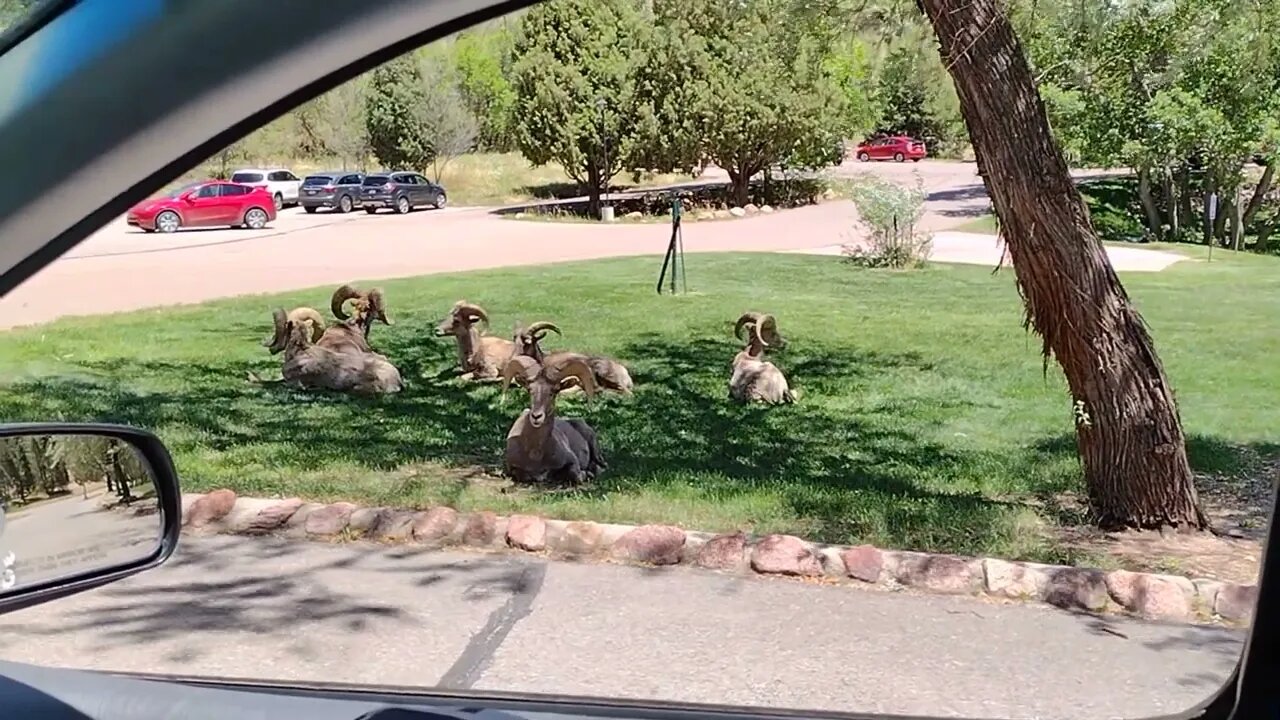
[[204, 204], [899, 148]]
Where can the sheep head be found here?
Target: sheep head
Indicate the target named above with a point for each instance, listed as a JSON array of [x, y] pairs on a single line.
[[296, 328], [761, 326], [461, 318], [366, 306], [545, 381], [527, 340]]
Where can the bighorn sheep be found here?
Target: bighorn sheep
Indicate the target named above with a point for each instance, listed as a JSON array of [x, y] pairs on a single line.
[[482, 357], [755, 379], [312, 364], [366, 306], [609, 373], [540, 445]]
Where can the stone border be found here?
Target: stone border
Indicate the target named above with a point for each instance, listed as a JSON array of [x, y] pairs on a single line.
[[1149, 595]]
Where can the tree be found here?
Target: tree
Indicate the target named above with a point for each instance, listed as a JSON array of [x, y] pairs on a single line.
[[575, 70], [1128, 431], [338, 122], [396, 137], [443, 114], [483, 59]]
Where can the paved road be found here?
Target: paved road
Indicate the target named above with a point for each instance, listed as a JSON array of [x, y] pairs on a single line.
[[362, 613], [301, 251]]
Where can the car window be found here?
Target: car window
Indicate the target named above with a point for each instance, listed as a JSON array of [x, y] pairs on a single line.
[[232, 190], [350, 180], [869, 448], [208, 191]]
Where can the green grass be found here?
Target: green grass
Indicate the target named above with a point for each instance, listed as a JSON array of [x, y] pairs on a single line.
[[924, 420]]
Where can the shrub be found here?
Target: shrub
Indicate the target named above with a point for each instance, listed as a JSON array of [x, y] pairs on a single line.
[[889, 213]]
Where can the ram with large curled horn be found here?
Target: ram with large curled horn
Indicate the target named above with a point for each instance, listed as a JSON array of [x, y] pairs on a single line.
[[610, 374], [480, 356], [312, 364], [755, 379], [542, 446], [367, 307]]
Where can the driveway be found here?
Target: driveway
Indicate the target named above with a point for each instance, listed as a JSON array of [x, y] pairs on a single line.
[[300, 251], [270, 609]]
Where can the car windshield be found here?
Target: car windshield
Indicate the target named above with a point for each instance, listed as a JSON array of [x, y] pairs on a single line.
[[893, 436], [177, 191]]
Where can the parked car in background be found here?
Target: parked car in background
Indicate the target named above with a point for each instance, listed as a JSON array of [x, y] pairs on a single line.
[[400, 191], [204, 204], [282, 185], [898, 148], [338, 190]]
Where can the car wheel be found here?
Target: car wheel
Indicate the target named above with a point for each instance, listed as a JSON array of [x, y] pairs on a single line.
[[255, 218], [344, 204], [899, 157], [309, 208], [168, 221], [371, 210], [915, 159], [278, 199], [402, 205], [863, 157], [441, 200]]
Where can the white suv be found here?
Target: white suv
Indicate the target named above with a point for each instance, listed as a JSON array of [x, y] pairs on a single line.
[[283, 185]]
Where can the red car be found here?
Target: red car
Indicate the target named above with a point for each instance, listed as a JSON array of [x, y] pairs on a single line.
[[204, 204], [899, 148]]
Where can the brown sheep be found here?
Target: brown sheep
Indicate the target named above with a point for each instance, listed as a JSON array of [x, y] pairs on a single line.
[[610, 374], [541, 446], [755, 379], [481, 357], [310, 364]]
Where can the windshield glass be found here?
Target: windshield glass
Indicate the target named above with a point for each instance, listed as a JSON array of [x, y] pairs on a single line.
[[901, 433]]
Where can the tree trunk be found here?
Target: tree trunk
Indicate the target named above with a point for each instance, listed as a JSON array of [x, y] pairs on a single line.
[[1128, 431], [1260, 193], [740, 186], [1264, 237], [593, 190], [1226, 206], [1206, 222], [1184, 198], [1154, 224], [1172, 204]]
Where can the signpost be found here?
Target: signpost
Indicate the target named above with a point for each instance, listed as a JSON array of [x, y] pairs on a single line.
[[1213, 216], [674, 258]]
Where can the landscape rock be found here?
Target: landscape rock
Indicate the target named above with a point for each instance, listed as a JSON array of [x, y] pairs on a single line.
[[737, 212], [653, 544], [394, 525], [210, 508], [272, 517], [766, 209], [723, 552], [527, 532], [939, 573], [1012, 580], [1076, 589], [722, 214], [243, 513], [435, 524], [750, 209], [189, 499], [635, 215], [704, 215], [1235, 602], [1148, 595], [831, 561], [481, 529], [784, 555], [1207, 593], [363, 519], [863, 562], [574, 538], [329, 520]]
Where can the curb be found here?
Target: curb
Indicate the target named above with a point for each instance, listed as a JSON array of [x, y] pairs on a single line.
[[1147, 595]]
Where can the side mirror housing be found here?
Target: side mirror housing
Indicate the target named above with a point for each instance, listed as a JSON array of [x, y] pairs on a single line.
[[88, 504]]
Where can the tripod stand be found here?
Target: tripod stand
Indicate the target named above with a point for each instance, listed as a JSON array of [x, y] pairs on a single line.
[[675, 253]]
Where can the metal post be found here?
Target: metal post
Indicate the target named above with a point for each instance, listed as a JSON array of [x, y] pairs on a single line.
[[604, 139]]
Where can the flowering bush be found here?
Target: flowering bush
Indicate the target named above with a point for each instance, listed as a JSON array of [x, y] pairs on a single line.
[[889, 212]]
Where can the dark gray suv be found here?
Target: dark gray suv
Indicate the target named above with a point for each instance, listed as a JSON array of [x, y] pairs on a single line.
[[400, 191], [338, 190]]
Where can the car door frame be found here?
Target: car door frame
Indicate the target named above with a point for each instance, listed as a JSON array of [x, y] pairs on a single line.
[[429, 189]]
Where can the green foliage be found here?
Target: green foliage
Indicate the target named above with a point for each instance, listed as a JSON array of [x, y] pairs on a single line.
[[889, 212], [396, 136], [918, 99], [483, 62]]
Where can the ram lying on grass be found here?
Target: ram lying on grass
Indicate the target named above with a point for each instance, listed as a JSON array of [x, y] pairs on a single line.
[[755, 379], [609, 373], [366, 308], [541, 446], [339, 366], [481, 357]]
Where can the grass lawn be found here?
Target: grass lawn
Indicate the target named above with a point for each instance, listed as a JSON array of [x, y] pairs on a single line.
[[488, 179], [924, 421]]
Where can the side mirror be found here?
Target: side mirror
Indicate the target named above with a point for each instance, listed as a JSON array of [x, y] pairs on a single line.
[[188, 197], [81, 505]]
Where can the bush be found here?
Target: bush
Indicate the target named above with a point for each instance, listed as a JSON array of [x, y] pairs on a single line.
[[890, 213]]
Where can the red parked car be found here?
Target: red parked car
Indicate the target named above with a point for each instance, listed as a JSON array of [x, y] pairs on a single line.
[[899, 148], [204, 204]]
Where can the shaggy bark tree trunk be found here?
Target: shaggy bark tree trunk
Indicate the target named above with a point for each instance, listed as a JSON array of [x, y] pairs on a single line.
[[1171, 201], [1127, 429], [1154, 223], [1260, 193]]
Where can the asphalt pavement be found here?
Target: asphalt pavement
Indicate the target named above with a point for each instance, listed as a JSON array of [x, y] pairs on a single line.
[[268, 608]]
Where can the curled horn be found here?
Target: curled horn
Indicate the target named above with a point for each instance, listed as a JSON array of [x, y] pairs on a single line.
[[308, 315], [755, 331], [378, 306], [769, 331], [281, 322], [575, 366], [522, 368], [539, 329], [750, 317], [341, 296], [468, 309]]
